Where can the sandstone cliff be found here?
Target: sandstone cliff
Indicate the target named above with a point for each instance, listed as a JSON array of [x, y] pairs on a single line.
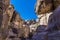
[[8, 18], [44, 6], [44, 9]]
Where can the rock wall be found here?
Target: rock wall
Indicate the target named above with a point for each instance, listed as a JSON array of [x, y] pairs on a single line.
[[44, 6], [9, 18], [44, 9]]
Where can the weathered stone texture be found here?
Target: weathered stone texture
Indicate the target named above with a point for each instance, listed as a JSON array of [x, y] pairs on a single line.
[[45, 6]]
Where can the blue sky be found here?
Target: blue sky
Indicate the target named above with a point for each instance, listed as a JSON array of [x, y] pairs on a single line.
[[25, 8]]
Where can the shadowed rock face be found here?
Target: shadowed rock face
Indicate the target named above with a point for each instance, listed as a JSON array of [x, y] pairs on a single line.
[[54, 22], [2, 8], [54, 25], [7, 16], [1, 12], [15, 16], [56, 3]]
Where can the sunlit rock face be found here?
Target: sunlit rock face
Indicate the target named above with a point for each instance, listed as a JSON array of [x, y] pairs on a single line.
[[37, 5], [18, 23], [21, 23], [43, 9], [43, 18], [15, 24], [43, 6], [32, 24], [11, 24], [26, 31], [10, 11]]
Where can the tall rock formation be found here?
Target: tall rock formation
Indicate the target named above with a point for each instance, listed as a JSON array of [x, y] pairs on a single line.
[[16, 19], [44, 9], [43, 6], [9, 18], [4, 9], [5, 17]]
